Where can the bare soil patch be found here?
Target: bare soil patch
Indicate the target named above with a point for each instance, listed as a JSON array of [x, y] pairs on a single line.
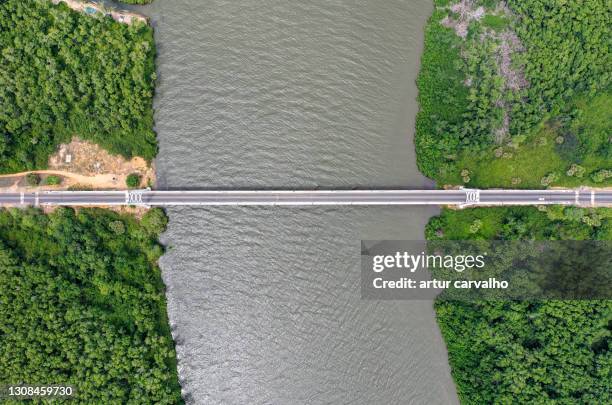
[[465, 13], [82, 165], [96, 167]]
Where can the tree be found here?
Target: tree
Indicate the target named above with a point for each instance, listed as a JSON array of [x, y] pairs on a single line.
[[133, 180], [83, 303], [546, 351], [65, 73], [154, 221], [117, 227], [32, 179], [52, 180]]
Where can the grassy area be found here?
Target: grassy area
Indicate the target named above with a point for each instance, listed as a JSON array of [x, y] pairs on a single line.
[[527, 160], [551, 222], [495, 22]]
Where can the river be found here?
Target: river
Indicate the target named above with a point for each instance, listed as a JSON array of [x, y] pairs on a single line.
[[264, 303]]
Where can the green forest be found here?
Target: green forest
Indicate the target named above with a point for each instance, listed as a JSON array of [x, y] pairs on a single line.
[[518, 95], [522, 99], [65, 74], [82, 302], [530, 351]]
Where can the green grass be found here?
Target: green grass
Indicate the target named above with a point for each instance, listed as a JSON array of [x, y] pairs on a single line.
[[495, 22], [539, 154]]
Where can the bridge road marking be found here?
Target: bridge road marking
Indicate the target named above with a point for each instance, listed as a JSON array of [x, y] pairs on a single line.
[[127, 197], [577, 197], [22, 198], [472, 196], [135, 197], [592, 198]]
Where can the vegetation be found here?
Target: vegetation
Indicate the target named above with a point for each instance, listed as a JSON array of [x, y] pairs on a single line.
[[132, 180], [53, 180], [527, 352], [82, 302], [515, 121], [495, 22], [136, 1], [80, 187], [442, 97], [65, 73], [32, 179]]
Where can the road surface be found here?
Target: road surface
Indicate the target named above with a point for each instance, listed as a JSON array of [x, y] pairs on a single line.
[[463, 197]]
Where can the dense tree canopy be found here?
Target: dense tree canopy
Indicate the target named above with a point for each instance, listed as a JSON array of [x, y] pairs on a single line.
[[527, 352], [82, 302], [567, 53], [64, 73]]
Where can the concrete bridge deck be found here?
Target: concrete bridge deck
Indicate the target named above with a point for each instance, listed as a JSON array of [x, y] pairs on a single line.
[[461, 197]]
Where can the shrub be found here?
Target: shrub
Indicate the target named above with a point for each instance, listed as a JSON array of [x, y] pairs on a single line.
[[133, 180], [475, 226], [549, 179], [53, 180], [154, 221], [601, 175], [117, 227], [576, 170], [32, 179]]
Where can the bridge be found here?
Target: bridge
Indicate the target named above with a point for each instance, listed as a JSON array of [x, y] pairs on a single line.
[[461, 197]]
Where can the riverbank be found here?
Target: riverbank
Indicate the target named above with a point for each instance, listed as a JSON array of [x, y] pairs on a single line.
[[97, 9], [107, 102], [502, 105], [527, 351]]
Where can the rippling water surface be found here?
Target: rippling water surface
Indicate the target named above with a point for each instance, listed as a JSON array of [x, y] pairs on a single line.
[[264, 302]]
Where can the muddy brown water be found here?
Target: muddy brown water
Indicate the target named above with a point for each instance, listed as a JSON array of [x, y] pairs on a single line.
[[264, 303]]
